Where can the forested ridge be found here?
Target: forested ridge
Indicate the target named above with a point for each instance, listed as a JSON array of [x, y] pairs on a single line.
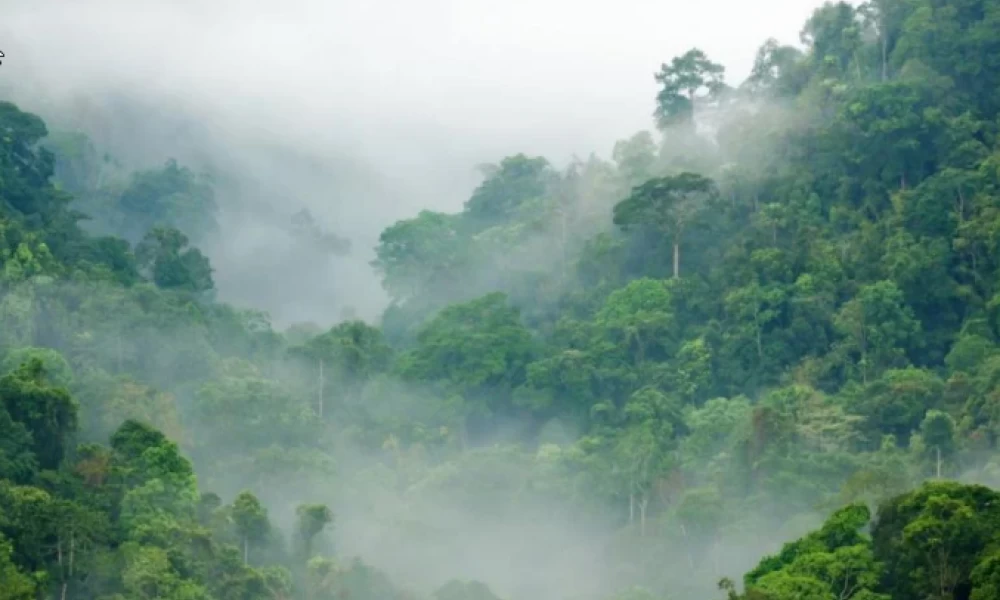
[[631, 378]]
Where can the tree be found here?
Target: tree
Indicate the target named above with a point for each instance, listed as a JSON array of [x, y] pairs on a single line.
[[47, 412], [885, 18], [639, 318], [57, 371], [148, 574], [986, 578], [345, 356], [933, 537], [700, 514], [945, 536], [306, 230], [773, 69], [172, 197], [833, 34], [667, 204], [313, 518], [25, 170], [17, 457], [515, 181], [164, 256], [754, 310], [422, 255], [643, 447], [937, 437], [713, 431], [877, 327], [251, 521], [681, 81], [473, 347], [896, 402], [835, 562], [635, 159], [239, 412], [16, 584], [132, 438]]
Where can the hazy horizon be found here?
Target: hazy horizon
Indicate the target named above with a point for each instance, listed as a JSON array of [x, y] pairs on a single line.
[[395, 103]]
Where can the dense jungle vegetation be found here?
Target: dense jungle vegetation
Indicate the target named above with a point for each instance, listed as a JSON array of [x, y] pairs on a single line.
[[634, 378]]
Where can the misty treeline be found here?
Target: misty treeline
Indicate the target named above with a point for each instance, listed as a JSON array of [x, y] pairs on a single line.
[[627, 378]]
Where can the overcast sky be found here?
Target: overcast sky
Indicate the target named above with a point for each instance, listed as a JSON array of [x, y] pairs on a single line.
[[549, 76], [423, 90]]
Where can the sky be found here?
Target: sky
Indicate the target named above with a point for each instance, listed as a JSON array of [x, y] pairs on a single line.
[[420, 92]]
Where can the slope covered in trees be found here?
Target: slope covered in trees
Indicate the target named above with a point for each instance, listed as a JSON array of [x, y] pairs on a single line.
[[630, 377]]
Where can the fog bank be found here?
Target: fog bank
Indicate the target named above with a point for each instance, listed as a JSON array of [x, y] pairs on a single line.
[[392, 103]]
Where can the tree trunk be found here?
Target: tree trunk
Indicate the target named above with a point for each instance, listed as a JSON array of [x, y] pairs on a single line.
[[863, 343], [631, 508], [319, 398], [961, 205], [640, 349], [757, 326], [885, 57], [642, 515], [562, 244], [677, 259], [62, 571], [463, 434], [100, 179], [308, 548], [687, 547], [246, 550], [72, 557]]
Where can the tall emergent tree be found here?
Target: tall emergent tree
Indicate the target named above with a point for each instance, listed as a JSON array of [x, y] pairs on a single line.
[[251, 521], [313, 518], [668, 205], [686, 80]]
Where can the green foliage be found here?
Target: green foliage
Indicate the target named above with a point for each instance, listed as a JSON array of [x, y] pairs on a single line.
[[420, 255], [682, 80], [47, 412], [250, 519], [17, 458], [164, 255], [473, 349], [57, 371], [934, 537], [509, 185], [170, 197], [16, 585], [830, 340], [313, 518], [668, 204]]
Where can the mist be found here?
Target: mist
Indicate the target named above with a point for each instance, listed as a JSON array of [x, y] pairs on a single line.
[[364, 113]]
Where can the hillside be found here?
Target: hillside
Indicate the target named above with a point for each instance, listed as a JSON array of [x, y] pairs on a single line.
[[757, 345]]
